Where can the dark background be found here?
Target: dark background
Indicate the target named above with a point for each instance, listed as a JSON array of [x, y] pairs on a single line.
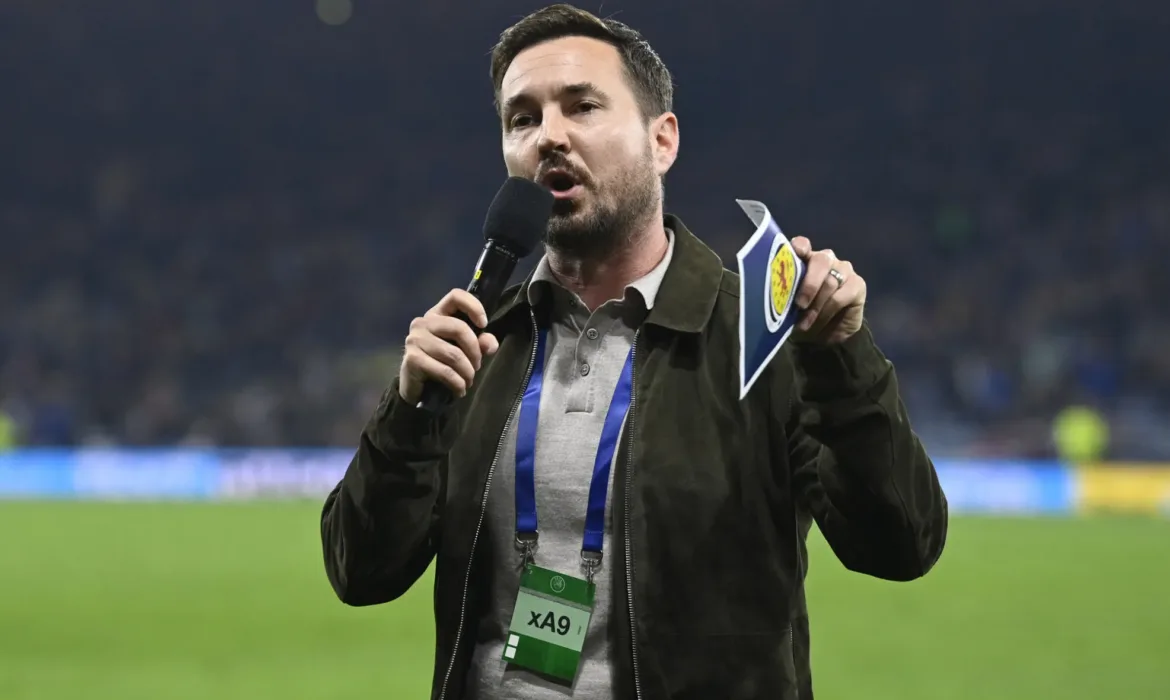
[[218, 218]]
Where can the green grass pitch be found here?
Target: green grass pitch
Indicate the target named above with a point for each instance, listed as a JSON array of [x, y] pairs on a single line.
[[230, 602]]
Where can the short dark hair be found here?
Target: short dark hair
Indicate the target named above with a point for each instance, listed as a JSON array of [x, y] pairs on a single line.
[[647, 74]]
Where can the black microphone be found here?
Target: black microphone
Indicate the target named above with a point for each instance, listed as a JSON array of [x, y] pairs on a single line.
[[515, 223]]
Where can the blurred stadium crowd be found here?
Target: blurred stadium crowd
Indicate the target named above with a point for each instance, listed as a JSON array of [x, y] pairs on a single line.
[[218, 218]]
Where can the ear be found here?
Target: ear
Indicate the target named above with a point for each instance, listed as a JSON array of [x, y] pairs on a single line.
[[663, 134]]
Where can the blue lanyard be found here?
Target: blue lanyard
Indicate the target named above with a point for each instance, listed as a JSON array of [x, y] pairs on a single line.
[[526, 521]]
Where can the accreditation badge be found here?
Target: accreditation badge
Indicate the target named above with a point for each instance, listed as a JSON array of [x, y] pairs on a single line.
[[770, 272], [549, 623]]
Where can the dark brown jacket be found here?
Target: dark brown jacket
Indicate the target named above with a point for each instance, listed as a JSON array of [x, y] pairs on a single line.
[[713, 496]]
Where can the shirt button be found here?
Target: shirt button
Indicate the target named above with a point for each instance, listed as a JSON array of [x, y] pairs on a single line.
[[591, 334], [584, 369]]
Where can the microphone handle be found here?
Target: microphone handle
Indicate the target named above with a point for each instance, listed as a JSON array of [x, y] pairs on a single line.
[[492, 272]]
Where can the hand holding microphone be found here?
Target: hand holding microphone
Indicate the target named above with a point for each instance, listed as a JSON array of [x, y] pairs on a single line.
[[443, 347], [446, 346]]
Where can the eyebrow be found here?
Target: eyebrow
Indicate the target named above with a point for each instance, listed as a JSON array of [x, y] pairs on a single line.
[[574, 90]]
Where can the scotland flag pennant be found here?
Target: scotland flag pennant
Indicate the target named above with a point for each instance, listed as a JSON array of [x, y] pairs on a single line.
[[770, 272]]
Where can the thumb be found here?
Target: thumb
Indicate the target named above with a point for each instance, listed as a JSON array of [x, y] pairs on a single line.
[[488, 343]]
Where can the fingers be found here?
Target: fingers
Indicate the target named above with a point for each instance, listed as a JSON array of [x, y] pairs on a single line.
[[429, 356], [461, 301], [419, 367], [455, 333], [824, 299], [813, 291], [829, 287], [442, 347], [488, 344], [852, 293]]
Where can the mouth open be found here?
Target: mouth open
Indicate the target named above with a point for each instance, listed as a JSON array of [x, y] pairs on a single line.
[[562, 184]]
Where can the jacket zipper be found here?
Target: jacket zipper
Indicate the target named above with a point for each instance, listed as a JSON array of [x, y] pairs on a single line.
[[628, 538], [483, 509], [792, 655]]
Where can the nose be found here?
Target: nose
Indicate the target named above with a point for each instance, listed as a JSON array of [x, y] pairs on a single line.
[[554, 133]]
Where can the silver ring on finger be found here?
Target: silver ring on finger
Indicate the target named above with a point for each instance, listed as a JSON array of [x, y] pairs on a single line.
[[837, 276]]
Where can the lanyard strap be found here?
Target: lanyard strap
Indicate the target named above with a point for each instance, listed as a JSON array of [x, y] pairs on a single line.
[[526, 520]]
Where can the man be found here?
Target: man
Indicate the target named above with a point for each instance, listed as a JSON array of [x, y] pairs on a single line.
[[699, 572]]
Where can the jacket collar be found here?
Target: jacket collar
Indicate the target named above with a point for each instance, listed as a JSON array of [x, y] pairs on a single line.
[[686, 297]]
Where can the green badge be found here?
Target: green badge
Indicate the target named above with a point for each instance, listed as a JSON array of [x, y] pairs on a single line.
[[550, 621]]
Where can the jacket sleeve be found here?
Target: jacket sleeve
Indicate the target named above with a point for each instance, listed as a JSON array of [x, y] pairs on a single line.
[[858, 468], [379, 524]]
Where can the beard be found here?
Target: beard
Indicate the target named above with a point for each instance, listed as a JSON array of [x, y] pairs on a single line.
[[595, 230]]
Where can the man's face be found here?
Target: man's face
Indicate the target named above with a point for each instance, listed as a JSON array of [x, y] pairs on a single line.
[[571, 122]]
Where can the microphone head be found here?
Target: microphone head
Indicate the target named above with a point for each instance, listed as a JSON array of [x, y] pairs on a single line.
[[518, 216]]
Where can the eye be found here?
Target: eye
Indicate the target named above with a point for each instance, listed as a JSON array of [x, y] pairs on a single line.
[[585, 107], [519, 121]]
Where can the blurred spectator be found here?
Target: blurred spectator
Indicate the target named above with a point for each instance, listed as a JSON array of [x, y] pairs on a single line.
[[1081, 435], [8, 436]]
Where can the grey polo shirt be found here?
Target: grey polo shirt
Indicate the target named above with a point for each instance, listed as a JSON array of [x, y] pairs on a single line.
[[584, 357]]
